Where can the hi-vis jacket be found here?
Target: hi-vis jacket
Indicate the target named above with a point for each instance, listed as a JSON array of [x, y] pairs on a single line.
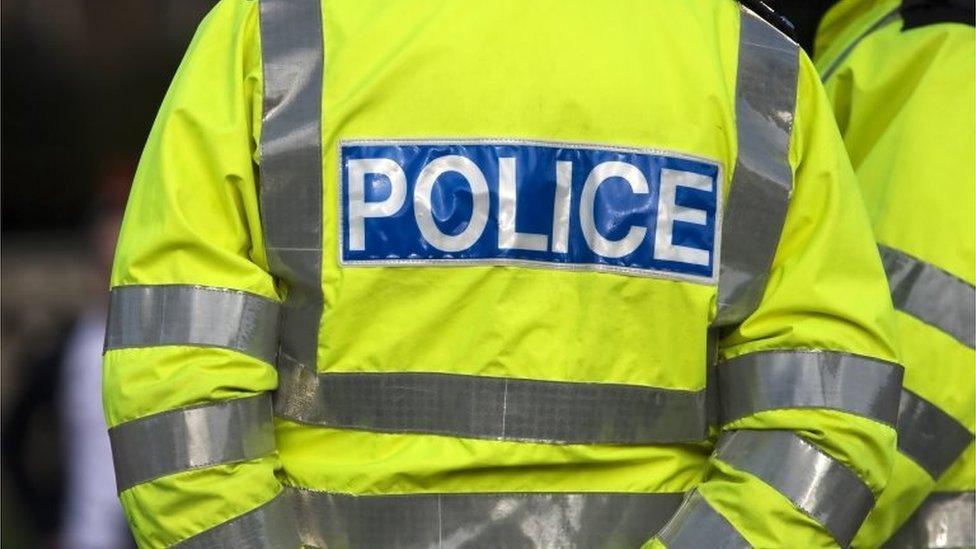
[[902, 81], [479, 256]]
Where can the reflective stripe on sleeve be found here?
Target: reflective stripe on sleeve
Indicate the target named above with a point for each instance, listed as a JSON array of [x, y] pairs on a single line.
[[697, 524], [269, 526], [173, 314], [945, 519], [931, 295], [490, 407], [763, 179], [171, 442], [928, 436], [824, 489], [482, 519], [771, 380], [291, 166]]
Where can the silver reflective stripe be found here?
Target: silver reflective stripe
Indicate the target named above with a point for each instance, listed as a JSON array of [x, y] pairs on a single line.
[[172, 314], [291, 166], [482, 520], [773, 380], [763, 180], [928, 436], [489, 407], [270, 526], [889, 17], [697, 525], [713, 406], [824, 489], [170, 442], [945, 519], [931, 295]]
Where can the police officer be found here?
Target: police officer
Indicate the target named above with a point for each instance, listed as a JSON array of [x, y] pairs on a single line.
[[901, 78], [438, 274]]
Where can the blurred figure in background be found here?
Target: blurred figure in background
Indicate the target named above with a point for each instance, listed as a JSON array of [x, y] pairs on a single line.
[[900, 75], [55, 440], [92, 516], [81, 81]]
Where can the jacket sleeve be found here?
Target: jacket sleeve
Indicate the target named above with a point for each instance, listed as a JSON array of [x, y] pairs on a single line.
[[807, 379], [886, 94], [192, 330]]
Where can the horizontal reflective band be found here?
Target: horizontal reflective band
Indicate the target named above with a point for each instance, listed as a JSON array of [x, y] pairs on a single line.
[[824, 489], [482, 520], [809, 379], [931, 295], [188, 438], [491, 408], [945, 519], [150, 316], [928, 436], [759, 194], [272, 525], [697, 525]]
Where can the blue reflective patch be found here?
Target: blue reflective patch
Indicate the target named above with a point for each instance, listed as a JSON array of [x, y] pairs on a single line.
[[551, 205]]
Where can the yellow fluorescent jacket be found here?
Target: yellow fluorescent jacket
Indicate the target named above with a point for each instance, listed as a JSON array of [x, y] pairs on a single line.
[[661, 185], [903, 86]]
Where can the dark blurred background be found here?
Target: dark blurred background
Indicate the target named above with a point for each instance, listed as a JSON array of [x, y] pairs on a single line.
[[81, 82]]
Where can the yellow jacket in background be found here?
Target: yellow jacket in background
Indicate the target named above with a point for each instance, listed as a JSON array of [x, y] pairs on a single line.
[[480, 257], [902, 80]]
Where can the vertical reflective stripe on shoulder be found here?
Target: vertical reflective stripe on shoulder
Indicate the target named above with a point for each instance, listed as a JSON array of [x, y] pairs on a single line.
[[771, 380], [815, 483], [697, 524], [291, 166], [272, 525], [763, 179], [188, 438], [928, 436], [931, 295], [945, 519], [178, 314]]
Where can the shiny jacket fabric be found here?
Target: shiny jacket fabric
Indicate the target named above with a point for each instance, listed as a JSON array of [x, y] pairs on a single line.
[[901, 79], [706, 353]]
